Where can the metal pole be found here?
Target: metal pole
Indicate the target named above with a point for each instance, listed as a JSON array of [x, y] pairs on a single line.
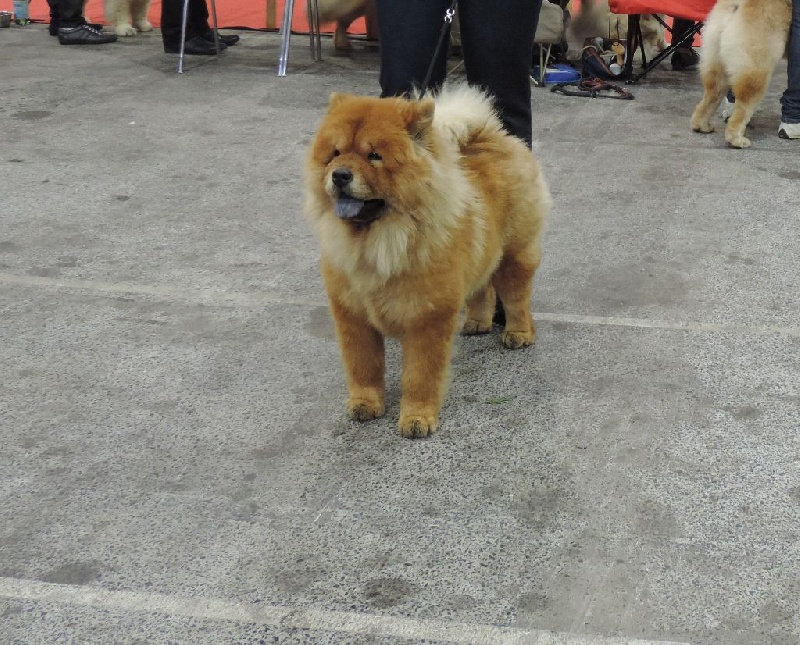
[[183, 35], [286, 34]]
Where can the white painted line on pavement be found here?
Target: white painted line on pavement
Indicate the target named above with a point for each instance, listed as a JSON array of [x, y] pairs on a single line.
[[212, 297], [297, 617]]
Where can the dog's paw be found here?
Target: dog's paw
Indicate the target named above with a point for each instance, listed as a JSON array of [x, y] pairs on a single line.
[[472, 327], [340, 41], [703, 128], [413, 426], [739, 141], [361, 409], [143, 25], [518, 339], [125, 30]]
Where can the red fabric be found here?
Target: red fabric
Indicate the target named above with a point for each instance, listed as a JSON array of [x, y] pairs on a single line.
[[241, 13], [696, 10]]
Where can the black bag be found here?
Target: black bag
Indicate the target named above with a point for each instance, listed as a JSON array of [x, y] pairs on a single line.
[[602, 58]]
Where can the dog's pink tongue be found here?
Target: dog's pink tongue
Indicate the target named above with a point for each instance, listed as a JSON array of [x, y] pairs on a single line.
[[348, 207]]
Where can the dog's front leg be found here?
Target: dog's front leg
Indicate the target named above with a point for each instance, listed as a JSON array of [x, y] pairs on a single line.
[[427, 348], [363, 356]]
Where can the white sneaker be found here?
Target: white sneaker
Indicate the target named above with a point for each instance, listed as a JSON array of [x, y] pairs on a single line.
[[789, 130], [727, 109]]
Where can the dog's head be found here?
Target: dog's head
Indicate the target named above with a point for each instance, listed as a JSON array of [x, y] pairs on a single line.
[[365, 158]]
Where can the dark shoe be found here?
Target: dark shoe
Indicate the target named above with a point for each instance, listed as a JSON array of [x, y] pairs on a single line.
[[196, 46], [83, 35], [685, 58], [228, 40], [53, 28]]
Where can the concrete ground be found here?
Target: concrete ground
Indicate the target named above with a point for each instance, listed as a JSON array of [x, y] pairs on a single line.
[[176, 465]]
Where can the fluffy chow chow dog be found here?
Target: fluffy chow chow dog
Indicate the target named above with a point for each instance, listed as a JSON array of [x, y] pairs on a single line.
[[423, 209], [743, 40]]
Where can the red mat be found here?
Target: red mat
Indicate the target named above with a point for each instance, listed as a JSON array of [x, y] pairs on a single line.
[[241, 13]]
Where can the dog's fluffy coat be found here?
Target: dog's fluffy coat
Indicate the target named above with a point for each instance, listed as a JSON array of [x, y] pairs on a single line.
[[463, 209], [128, 17], [743, 40]]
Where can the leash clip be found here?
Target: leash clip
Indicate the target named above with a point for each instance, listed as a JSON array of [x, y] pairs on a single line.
[[448, 15]]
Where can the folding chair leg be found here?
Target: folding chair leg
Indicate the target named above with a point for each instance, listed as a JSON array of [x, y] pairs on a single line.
[[314, 30], [635, 41], [631, 43], [216, 26], [286, 35], [184, 20], [544, 56]]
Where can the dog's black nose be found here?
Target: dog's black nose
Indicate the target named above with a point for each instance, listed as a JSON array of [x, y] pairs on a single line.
[[341, 177]]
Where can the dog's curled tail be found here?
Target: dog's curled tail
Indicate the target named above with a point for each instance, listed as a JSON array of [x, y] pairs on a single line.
[[464, 113]]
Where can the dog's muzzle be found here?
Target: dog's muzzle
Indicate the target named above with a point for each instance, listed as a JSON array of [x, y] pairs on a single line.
[[352, 209], [358, 211]]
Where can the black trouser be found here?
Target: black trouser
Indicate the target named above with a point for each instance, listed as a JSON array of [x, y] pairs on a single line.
[[66, 13], [172, 14], [496, 40]]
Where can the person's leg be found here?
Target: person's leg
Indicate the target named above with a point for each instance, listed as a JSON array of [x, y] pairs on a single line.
[[53, 17], [790, 112], [684, 56], [171, 15], [72, 26], [171, 19], [70, 12], [409, 31], [497, 41], [199, 16]]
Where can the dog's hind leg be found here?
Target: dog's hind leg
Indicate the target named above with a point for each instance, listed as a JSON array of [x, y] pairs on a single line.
[[715, 86], [480, 309], [749, 88], [139, 15], [119, 14], [513, 281]]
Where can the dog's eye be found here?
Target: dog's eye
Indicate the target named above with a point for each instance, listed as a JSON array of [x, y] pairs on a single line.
[[374, 156], [336, 152]]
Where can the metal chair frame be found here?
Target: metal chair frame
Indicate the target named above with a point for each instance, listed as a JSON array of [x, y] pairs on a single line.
[[286, 33], [184, 20]]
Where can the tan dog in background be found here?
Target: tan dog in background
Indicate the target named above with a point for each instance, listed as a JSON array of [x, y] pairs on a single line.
[[743, 40], [128, 17], [422, 208], [344, 13]]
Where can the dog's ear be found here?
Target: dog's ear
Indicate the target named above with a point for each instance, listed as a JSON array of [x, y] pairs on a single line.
[[419, 117]]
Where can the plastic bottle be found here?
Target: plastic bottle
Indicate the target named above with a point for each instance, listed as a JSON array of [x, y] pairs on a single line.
[[21, 12]]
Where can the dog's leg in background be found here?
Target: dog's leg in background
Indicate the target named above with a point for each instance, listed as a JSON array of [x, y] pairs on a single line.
[[715, 85], [427, 352], [513, 281], [139, 15], [480, 309], [748, 89], [118, 14], [364, 363]]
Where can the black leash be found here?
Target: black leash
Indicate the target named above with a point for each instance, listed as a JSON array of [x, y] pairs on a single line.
[[448, 19], [596, 88]]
